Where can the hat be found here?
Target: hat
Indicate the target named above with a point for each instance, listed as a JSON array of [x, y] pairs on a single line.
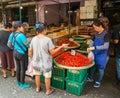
[[17, 24]]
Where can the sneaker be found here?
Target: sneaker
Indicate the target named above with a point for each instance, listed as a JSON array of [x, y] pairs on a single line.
[[89, 80], [18, 83], [97, 84], [25, 85]]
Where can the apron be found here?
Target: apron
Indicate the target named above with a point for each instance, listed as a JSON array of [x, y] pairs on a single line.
[[100, 55]]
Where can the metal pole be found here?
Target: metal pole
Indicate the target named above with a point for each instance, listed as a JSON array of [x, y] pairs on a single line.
[[20, 11], [69, 20], [2, 8]]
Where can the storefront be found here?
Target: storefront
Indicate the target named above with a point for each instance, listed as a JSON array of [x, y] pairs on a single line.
[[66, 19]]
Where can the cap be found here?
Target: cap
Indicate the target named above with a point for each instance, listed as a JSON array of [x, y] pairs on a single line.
[[17, 24]]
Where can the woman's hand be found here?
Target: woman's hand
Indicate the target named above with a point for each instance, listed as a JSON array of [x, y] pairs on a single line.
[[90, 49], [30, 52]]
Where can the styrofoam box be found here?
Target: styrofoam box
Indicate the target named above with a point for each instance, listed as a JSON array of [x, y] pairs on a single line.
[[91, 15], [83, 9], [83, 15], [91, 8], [90, 2]]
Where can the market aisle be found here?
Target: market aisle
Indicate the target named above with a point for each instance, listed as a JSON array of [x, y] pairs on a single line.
[[8, 88]]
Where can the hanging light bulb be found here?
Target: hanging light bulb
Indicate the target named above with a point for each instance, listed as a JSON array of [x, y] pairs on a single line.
[[46, 11], [21, 7], [35, 9]]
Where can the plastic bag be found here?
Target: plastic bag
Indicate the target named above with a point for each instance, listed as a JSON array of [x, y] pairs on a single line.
[[91, 56], [10, 45], [30, 69]]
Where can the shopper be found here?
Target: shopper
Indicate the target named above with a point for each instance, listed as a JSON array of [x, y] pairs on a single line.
[[6, 53], [19, 41], [116, 41], [40, 50], [26, 27], [100, 48]]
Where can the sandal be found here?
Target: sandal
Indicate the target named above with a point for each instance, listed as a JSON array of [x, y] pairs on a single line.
[[38, 89], [13, 75], [4, 76], [50, 92]]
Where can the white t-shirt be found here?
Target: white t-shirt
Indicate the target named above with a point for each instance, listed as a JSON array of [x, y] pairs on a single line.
[[41, 55]]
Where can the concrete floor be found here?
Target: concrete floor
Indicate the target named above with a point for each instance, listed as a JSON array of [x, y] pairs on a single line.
[[8, 88]]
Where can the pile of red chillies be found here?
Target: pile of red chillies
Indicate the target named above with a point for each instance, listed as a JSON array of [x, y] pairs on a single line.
[[77, 60], [67, 41]]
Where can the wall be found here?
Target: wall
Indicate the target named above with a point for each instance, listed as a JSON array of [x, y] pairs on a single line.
[[46, 2], [53, 15]]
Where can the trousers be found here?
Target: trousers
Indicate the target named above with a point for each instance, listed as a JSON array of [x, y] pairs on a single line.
[[22, 63]]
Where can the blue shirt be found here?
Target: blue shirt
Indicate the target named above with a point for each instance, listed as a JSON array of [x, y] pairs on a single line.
[[21, 39]]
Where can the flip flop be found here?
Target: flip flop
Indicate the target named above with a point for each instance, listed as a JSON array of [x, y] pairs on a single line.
[[13, 75], [38, 89], [50, 92], [4, 77]]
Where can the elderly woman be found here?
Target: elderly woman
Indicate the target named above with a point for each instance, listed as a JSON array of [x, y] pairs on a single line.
[[100, 48]]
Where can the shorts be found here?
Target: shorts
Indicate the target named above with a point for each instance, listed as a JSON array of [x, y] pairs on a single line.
[[7, 60], [45, 74]]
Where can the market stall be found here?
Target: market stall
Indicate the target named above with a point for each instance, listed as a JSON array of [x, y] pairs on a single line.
[[70, 68]]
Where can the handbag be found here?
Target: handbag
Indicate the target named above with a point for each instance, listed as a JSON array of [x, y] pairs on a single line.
[[21, 56], [9, 44]]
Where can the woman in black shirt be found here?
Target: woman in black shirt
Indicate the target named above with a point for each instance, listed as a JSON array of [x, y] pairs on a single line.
[[6, 54]]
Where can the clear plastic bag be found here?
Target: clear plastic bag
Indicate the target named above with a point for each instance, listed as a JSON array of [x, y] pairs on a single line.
[[30, 69], [91, 56]]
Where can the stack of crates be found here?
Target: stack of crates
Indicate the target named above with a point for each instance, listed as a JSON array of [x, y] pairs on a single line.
[[76, 81], [42, 79], [58, 77]]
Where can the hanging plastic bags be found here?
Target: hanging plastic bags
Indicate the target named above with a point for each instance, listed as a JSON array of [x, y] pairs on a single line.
[[91, 56]]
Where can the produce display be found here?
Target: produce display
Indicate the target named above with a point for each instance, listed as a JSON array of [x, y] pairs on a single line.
[[83, 47], [67, 41], [85, 36], [78, 39], [77, 60]]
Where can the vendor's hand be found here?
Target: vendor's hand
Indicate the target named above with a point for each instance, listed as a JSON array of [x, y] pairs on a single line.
[[90, 49], [89, 41]]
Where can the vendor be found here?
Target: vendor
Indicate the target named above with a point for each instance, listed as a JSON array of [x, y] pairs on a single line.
[[100, 48]]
